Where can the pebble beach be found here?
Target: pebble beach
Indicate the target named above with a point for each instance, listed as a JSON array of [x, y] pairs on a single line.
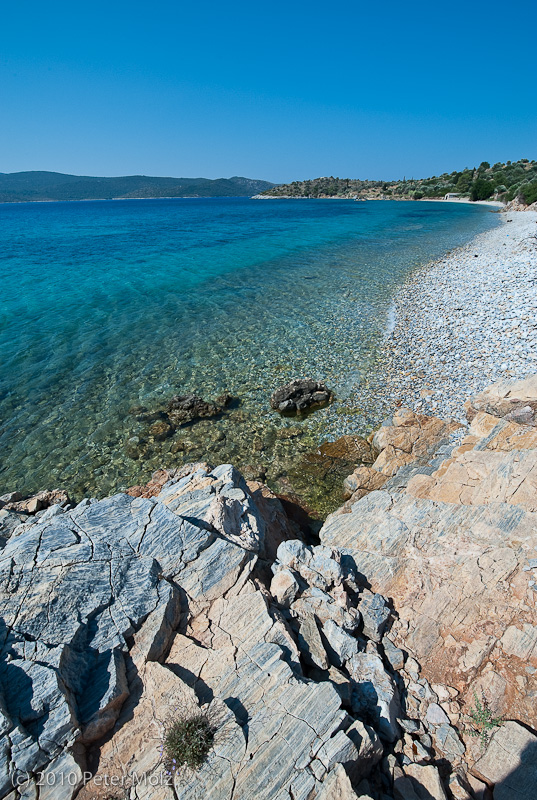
[[466, 320]]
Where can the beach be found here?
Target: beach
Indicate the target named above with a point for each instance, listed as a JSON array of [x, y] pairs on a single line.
[[466, 320]]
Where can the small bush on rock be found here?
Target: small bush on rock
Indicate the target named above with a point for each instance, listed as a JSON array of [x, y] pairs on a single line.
[[187, 742], [482, 720]]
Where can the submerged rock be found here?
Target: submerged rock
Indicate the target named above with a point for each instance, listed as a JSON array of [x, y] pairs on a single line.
[[349, 448], [300, 396], [183, 409]]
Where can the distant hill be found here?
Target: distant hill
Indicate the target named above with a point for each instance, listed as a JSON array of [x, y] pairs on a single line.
[[17, 187], [516, 179]]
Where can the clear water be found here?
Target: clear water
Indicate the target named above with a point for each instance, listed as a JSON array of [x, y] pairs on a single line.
[[108, 305]]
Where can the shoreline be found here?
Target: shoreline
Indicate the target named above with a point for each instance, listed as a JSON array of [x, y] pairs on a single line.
[[465, 201], [466, 320]]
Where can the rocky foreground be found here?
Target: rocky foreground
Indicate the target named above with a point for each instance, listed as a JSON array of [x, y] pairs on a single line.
[[344, 669]]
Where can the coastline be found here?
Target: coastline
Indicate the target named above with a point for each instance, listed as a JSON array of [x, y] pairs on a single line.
[[466, 201], [466, 320]]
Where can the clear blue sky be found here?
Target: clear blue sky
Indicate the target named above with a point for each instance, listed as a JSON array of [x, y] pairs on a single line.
[[275, 90]]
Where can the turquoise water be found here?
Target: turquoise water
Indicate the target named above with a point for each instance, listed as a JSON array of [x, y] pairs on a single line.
[[109, 305]]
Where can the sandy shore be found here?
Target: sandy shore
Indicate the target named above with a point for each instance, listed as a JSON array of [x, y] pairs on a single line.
[[466, 320]]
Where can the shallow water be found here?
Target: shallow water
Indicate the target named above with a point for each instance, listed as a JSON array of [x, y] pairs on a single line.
[[109, 305]]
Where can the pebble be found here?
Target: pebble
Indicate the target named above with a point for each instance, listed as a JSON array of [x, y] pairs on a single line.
[[464, 322]]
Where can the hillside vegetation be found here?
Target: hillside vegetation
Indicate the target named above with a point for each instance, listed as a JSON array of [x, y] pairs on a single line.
[[25, 186], [517, 179]]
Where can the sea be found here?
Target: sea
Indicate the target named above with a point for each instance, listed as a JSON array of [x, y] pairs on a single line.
[[110, 307]]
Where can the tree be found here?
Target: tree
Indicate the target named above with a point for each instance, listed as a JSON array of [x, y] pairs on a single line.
[[481, 189]]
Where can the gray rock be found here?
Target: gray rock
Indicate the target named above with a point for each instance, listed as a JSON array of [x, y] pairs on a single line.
[[375, 614], [394, 655], [298, 396], [375, 694], [310, 643], [342, 646], [447, 741], [436, 715], [83, 589]]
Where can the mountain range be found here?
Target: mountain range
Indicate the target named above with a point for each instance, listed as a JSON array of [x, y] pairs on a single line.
[[17, 187]]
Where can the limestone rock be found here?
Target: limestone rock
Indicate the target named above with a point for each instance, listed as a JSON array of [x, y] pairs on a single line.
[[310, 642]]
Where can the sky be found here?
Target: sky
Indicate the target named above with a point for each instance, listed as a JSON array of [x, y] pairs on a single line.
[[274, 90]]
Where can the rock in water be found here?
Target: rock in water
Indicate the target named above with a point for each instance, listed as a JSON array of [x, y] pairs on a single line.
[[300, 396], [183, 409]]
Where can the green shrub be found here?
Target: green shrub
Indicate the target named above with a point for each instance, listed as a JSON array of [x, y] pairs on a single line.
[[481, 189], [529, 193], [482, 720], [187, 742]]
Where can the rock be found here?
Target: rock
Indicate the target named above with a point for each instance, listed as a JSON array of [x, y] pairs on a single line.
[[403, 787], [369, 746], [447, 741], [362, 481], [325, 608], [426, 782], [375, 614], [219, 500], [510, 763], [455, 572], [284, 587], [340, 750], [293, 554], [38, 502], [412, 438], [513, 400], [337, 786], [480, 790], [349, 448], [278, 526], [224, 400], [300, 396], [153, 487], [93, 597], [183, 409], [436, 715], [160, 430], [459, 787], [375, 693], [342, 646], [10, 497], [394, 655], [310, 643], [132, 447]]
